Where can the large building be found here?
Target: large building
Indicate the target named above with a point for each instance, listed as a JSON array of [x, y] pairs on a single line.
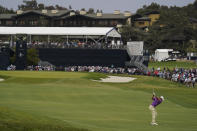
[[145, 21], [71, 18], [65, 18]]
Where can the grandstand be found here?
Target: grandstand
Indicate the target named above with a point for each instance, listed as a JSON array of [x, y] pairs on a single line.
[[100, 46]]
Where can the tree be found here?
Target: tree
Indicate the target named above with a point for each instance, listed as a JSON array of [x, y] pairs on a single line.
[[70, 7], [129, 33], [153, 39], [60, 7], [4, 10], [150, 8], [41, 6], [13, 58], [195, 4], [173, 29], [192, 46], [97, 11], [91, 11], [32, 56], [83, 9], [50, 7], [29, 5]]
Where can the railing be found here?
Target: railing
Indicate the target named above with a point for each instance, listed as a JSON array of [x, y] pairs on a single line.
[[137, 61]]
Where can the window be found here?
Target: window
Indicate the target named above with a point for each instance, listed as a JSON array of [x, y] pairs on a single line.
[[61, 22], [9, 22], [93, 22], [43, 22], [65, 22], [100, 22], [22, 22], [105, 22], [74, 23], [71, 22], [84, 22], [33, 22], [141, 23], [113, 22]]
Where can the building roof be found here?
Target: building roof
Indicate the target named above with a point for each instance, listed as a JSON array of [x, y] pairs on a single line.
[[30, 11], [152, 12], [68, 16], [107, 16], [73, 31], [142, 19], [48, 13], [94, 16], [64, 14], [135, 16], [59, 13], [163, 50]]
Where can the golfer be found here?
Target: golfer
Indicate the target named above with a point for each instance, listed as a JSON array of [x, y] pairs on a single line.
[[156, 102]]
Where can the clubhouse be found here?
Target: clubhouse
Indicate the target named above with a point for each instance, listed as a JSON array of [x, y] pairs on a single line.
[[71, 18]]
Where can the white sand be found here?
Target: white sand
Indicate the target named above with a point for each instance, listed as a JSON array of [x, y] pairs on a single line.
[[117, 79], [1, 79]]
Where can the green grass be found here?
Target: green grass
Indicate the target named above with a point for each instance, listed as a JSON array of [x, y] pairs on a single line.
[[71, 101], [14, 120], [172, 64]]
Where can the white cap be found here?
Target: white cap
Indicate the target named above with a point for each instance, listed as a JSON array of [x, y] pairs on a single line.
[[162, 98]]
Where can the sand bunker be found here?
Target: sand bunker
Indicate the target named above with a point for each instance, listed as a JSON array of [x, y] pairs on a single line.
[[117, 79], [1, 79]]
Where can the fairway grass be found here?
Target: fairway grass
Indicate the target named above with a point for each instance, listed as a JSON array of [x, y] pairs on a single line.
[[73, 102]]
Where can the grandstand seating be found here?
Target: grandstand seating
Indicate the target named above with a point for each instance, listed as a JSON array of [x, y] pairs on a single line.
[[84, 57], [4, 60]]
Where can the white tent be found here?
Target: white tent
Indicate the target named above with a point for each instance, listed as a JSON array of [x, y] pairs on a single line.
[[67, 31], [162, 54], [87, 32]]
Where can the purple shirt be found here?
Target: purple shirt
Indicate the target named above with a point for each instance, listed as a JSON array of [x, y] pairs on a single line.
[[156, 101]]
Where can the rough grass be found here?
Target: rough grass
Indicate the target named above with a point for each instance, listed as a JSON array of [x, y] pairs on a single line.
[[72, 101], [172, 64]]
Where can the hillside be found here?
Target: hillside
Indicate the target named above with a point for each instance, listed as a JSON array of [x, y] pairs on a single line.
[[175, 28]]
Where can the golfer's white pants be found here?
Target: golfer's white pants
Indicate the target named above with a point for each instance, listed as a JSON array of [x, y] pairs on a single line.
[[154, 113]]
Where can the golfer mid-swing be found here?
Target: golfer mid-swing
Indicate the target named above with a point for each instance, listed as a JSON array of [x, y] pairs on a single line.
[[156, 102]]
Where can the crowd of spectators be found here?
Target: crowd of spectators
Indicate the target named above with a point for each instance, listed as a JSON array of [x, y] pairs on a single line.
[[181, 75], [11, 67], [100, 69], [75, 44], [184, 76], [41, 68]]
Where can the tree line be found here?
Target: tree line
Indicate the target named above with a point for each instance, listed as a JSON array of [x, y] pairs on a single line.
[[34, 5], [174, 29], [4, 10]]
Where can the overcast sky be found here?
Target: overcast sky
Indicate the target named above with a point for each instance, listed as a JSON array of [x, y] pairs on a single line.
[[106, 5]]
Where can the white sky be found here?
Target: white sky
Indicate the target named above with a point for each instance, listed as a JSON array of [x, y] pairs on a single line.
[[108, 6]]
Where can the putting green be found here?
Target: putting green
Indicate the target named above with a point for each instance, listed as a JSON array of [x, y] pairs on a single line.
[[73, 98]]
